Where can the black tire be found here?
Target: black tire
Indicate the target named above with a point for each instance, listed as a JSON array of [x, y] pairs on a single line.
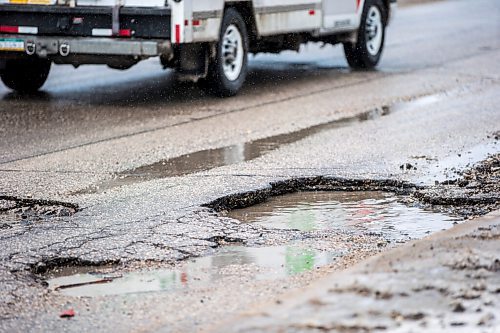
[[25, 75], [359, 55], [217, 82]]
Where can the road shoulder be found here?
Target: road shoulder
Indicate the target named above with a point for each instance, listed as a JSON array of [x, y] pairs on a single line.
[[446, 281]]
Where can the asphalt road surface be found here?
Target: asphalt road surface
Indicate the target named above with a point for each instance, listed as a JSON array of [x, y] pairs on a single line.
[[140, 154]]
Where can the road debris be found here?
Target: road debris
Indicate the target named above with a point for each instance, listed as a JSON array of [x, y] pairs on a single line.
[[70, 313], [475, 193], [407, 167]]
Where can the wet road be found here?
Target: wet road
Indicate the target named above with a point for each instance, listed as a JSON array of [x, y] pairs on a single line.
[[94, 104], [118, 144], [99, 121]]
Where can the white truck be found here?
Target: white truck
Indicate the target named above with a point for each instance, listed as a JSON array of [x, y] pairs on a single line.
[[203, 40]]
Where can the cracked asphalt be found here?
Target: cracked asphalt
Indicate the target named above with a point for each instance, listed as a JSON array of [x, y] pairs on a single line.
[[432, 104]]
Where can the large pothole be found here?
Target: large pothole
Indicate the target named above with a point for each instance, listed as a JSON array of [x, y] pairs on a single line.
[[332, 225]]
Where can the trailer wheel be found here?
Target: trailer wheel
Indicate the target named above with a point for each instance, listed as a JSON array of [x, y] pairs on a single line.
[[228, 70], [367, 51], [25, 75]]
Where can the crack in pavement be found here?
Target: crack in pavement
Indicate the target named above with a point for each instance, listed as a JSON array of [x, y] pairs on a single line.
[[21, 202]]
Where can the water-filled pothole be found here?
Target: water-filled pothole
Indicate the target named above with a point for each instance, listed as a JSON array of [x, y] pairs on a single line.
[[370, 212], [327, 221]]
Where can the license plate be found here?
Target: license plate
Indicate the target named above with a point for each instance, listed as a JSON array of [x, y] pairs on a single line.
[[9, 44], [31, 2]]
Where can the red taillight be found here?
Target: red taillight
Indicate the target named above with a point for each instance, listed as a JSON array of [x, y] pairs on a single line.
[[9, 29], [177, 33], [312, 12], [125, 33]]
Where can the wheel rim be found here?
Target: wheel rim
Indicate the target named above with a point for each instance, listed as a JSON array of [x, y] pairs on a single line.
[[232, 53], [374, 31]]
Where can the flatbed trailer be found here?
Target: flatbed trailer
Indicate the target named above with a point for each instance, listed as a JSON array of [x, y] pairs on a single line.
[[203, 40]]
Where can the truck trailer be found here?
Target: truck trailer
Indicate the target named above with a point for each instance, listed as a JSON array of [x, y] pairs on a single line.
[[207, 41]]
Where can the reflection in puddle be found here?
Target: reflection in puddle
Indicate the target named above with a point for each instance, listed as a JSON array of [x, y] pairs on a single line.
[[365, 212], [262, 263]]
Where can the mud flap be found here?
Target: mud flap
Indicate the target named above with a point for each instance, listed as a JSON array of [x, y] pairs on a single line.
[[193, 61]]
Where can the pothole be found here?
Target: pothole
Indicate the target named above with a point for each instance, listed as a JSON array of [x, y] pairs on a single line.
[[332, 225], [29, 210]]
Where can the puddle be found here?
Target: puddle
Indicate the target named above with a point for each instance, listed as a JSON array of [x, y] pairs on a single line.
[[377, 213], [264, 263], [212, 158], [450, 167]]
